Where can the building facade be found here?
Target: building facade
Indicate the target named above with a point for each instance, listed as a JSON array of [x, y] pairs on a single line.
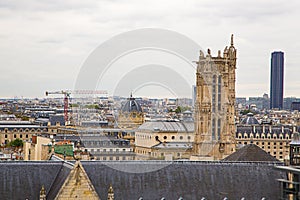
[[276, 83], [24, 130], [274, 139], [164, 140], [214, 107]]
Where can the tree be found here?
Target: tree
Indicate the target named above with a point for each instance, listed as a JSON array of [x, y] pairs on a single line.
[[16, 143], [178, 109]]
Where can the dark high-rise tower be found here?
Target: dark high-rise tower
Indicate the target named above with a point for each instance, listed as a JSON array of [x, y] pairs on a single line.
[[276, 84]]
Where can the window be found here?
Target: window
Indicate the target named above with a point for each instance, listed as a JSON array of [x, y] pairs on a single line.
[[110, 158], [181, 137], [117, 158], [173, 137], [5, 135], [104, 158], [165, 137], [26, 135], [219, 92], [214, 93], [219, 129], [213, 127], [15, 136], [188, 137], [178, 154]]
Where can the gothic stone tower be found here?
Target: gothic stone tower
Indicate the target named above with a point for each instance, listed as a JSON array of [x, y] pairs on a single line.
[[214, 106]]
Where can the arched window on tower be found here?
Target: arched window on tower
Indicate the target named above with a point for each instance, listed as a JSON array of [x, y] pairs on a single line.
[[219, 129], [219, 92], [213, 131], [214, 93]]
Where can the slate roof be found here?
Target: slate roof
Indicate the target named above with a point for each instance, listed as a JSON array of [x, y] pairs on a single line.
[[251, 152], [57, 118], [249, 120], [24, 180], [147, 179], [186, 179], [131, 106]]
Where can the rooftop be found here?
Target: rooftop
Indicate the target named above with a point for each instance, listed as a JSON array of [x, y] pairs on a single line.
[[252, 153]]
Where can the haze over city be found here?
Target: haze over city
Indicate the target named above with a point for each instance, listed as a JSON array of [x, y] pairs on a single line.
[[43, 44]]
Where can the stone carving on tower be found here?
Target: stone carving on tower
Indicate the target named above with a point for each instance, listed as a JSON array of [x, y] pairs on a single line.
[[214, 106]]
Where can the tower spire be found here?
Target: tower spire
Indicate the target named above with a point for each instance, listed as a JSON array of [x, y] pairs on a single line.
[[110, 194], [231, 39]]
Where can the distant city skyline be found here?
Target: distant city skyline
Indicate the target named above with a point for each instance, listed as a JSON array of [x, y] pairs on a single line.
[[43, 44]]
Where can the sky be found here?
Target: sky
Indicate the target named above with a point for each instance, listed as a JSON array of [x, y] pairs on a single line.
[[43, 44]]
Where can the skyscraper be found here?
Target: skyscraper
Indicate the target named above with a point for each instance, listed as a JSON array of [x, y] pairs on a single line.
[[276, 84]]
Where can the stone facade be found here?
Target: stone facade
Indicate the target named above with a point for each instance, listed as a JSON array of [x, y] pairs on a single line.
[[37, 148], [162, 139], [214, 106], [77, 185], [24, 130], [274, 139]]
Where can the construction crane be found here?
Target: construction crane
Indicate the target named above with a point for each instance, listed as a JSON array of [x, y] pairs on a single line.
[[66, 101], [67, 94]]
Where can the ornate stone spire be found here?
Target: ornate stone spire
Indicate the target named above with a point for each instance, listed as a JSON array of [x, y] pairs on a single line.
[[43, 193], [110, 194], [231, 40]]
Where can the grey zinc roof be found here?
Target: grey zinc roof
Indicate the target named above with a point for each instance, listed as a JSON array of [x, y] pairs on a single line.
[[162, 126], [187, 179], [190, 180]]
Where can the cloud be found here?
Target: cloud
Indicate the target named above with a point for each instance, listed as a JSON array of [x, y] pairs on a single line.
[[37, 36]]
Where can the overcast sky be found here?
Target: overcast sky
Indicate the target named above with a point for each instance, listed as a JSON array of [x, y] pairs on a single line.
[[44, 43]]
